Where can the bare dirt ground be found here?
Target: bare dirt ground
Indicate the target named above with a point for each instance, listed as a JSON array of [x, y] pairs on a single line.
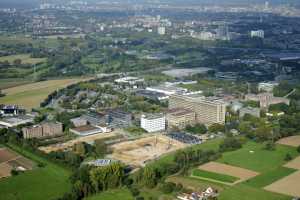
[[71, 143], [10, 160], [288, 185], [294, 164], [5, 170], [139, 152], [6, 155], [290, 141], [241, 173]]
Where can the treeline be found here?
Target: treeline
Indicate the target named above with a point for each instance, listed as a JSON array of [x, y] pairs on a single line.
[[87, 180]]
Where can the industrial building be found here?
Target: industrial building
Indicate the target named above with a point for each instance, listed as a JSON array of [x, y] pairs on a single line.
[[85, 130], [207, 110], [153, 122], [14, 121]]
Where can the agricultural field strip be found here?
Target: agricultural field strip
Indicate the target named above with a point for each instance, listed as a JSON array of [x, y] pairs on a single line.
[[288, 185], [240, 173], [293, 141], [214, 177]]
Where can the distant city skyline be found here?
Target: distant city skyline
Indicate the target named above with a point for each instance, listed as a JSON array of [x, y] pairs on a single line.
[[35, 3]]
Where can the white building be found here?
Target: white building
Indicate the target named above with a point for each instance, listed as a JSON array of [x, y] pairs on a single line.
[[267, 86], [153, 123], [161, 30], [258, 33]]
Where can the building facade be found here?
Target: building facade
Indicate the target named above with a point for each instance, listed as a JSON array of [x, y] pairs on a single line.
[[48, 129], [266, 99], [153, 123], [207, 111], [180, 118]]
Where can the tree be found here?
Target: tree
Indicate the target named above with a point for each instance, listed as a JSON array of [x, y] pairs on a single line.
[[17, 62], [100, 148], [288, 157], [230, 144], [168, 187], [80, 148], [298, 149], [197, 129], [270, 146], [215, 128]]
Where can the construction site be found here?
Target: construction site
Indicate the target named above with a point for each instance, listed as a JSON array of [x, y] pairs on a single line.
[[139, 152]]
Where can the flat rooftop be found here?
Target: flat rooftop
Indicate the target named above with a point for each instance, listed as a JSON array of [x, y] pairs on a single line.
[[85, 128]]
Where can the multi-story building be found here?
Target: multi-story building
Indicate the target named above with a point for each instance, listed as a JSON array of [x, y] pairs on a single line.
[[180, 118], [48, 129], [153, 122], [118, 118], [52, 129], [266, 99], [33, 132], [267, 86], [161, 30], [251, 111], [258, 33], [207, 110]]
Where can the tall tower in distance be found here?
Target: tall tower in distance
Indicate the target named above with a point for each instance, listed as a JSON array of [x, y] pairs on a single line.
[[267, 5]]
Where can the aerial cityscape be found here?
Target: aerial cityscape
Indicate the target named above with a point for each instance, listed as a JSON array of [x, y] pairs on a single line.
[[150, 100]]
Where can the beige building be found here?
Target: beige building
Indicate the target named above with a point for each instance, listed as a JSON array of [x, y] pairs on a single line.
[[32, 132], [52, 129], [266, 99], [48, 129], [207, 110], [180, 118]]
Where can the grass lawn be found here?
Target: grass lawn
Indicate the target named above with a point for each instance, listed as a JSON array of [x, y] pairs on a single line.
[[26, 59], [269, 177], [115, 194], [12, 82], [31, 95], [206, 175], [268, 163], [45, 183], [260, 160], [244, 192]]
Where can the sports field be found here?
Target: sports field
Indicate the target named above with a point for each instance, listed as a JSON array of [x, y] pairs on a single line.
[[47, 183], [31, 95], [25, 59]]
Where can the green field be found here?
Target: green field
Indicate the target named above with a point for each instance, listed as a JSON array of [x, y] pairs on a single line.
[[206, 175], [260, 160], [31, 95], [123, 194], [25, 58], [44, 183], [268, 163]]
